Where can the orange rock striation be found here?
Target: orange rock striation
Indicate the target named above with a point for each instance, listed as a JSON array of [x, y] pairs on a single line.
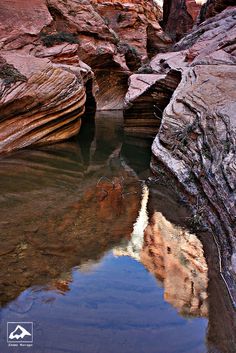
[[44, 45], [42, 94]]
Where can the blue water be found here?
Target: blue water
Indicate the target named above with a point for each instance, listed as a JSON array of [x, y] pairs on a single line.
[[57, 265], [114, 306]]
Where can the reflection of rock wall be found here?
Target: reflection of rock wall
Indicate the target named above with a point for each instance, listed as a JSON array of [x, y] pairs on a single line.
[[176, 257], [71, 219]]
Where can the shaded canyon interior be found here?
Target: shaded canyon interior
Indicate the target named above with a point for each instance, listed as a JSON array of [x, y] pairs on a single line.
[[145, 93]]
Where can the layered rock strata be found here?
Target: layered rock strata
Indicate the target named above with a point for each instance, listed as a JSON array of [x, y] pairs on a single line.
[[150, 90], [179, 16], [42, 90], [196, 141], [114, 38], [44, 82]]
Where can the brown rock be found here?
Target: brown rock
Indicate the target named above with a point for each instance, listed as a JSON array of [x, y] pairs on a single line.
[[113, 38], [136, 25], [150, 91], [43, 81], [179, 17], [213, 7], [138, 35]]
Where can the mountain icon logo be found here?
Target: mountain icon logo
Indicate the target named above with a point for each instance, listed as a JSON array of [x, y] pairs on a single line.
[[20, 331]]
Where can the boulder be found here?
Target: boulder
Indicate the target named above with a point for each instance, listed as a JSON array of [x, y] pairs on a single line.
[[149, 92]]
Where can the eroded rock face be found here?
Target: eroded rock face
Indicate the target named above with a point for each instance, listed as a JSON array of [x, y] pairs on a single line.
[[196, 141], [213, 7], [176, 257], [179, 16], [138, 35], [136, 24], [150, 91], [43, 78], [113, 38], [42, 90]]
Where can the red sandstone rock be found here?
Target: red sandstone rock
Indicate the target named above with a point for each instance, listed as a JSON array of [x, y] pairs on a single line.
[[213, 7], [136, 25], [43, 81], [150, 91], [114, 38], [179, 17], [42, 96]]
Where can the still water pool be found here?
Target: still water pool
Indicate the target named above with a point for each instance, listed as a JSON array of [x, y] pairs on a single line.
[[66, 211]]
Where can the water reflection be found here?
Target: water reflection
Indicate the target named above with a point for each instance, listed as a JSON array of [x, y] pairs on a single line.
[[54, 203], [65, 209], [133, 247], [176, 258]]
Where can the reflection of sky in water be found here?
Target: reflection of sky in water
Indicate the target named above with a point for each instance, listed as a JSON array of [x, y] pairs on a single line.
[[134, 246], [115, 307], [107, 304]]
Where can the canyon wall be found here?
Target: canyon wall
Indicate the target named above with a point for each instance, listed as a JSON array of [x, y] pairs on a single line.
[[42, 88], [179, 16], [49, 53], [189, 93], [197, 138]]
